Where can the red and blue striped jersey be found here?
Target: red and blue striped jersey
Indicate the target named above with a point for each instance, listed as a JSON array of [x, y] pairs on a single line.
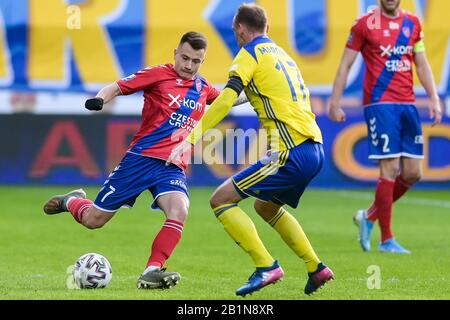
[[172, 108], [387, 46]]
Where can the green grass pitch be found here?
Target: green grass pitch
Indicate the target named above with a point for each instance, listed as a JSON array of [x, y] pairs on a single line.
[[36, 250]]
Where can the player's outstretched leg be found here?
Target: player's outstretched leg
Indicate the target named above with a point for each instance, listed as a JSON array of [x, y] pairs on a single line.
[[365, 227], [261, 278], [58, 203], [158, 278], [318, 278]]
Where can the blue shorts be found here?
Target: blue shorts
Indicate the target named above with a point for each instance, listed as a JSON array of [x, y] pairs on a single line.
[[283, 176], [394, 131], [135, 174]]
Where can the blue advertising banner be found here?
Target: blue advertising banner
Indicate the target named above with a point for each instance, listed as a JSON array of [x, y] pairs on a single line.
[[83, 150]]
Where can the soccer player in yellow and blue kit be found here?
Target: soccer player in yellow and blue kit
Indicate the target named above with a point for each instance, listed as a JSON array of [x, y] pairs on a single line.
[[276, 90]]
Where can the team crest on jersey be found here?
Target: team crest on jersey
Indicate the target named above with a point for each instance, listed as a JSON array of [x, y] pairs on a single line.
[[198, 85], [406, 32]]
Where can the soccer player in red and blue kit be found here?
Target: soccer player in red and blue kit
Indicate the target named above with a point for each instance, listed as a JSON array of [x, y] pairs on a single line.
[[390, 40], [175, 97]]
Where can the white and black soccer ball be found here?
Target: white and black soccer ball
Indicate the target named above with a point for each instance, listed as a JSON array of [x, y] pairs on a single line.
[[92, 271]]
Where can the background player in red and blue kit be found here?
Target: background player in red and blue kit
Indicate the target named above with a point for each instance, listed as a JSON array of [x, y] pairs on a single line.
[[390, 40], [175, 97]]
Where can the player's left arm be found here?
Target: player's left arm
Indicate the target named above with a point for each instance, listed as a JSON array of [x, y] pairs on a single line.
[[215, 93], [426, 78], [218, 109], [216, 112]]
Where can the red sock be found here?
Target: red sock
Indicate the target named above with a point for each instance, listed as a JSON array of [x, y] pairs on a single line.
[[383, 203], [78, 207], [400, 188], [165, 243], [372, 214]]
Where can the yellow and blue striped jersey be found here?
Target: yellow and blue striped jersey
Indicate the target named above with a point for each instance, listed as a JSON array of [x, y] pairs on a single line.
[[277, 92]]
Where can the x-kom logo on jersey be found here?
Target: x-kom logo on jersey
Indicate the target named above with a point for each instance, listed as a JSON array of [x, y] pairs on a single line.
[[175, 100], [397, 50], [386, 51], [186, 103]]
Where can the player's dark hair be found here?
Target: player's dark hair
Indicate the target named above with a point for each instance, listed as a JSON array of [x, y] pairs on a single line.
[[253, 16], [197, 40]]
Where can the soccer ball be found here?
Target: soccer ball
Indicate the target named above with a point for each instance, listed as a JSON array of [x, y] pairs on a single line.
[[92, 271]]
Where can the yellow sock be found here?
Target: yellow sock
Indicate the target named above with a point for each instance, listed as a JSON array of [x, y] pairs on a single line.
[[292, 233], [241, 228]]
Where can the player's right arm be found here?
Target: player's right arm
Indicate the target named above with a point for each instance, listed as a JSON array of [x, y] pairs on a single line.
[[109, 92], [140, 80], [105, 95], [354, 45], [335, 112]]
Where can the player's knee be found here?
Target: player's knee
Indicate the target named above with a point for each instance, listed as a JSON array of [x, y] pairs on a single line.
[[217, 201], [214, 201], [223, 195], [178, 213], [412, 176], [259, 208], [394, 171], [94, 222], [264, 211], [390, 172]]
